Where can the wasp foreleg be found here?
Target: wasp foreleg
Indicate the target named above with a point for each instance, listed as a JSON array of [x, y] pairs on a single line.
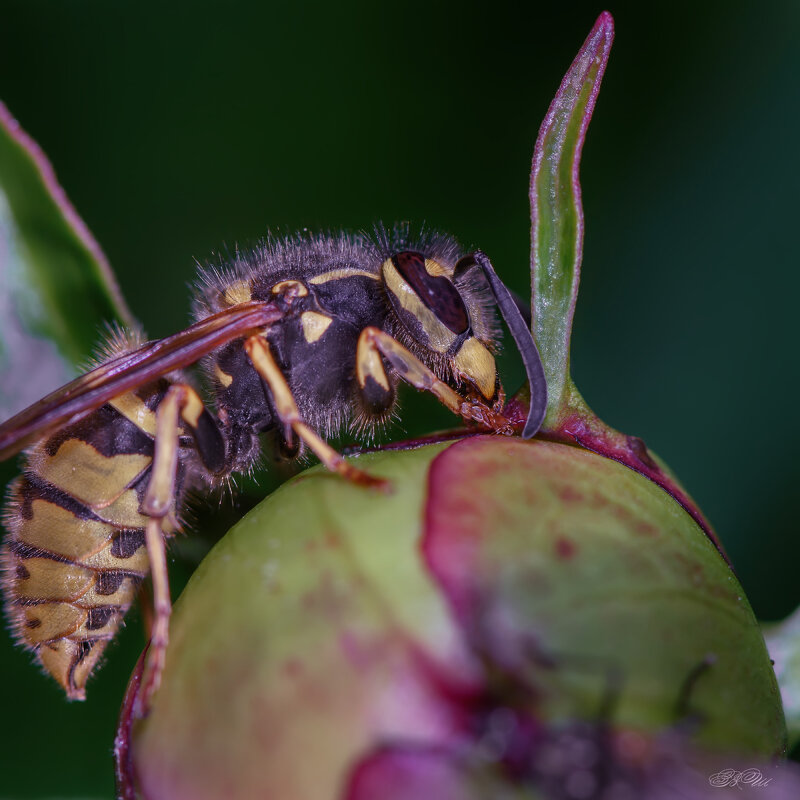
[[260, 355], [413, 371]]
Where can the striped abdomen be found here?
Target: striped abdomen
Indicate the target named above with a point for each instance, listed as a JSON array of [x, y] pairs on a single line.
[[75, 551]]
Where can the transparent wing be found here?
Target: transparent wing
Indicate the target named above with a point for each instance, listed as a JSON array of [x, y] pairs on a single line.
[[130, 370]]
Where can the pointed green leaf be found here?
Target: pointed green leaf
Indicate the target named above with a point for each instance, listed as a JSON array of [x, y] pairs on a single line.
[[556, 210]]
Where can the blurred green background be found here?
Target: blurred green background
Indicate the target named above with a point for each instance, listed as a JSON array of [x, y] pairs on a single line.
[[177, 128]]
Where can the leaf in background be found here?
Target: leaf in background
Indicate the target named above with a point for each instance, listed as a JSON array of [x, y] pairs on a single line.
[[556, 253], [57, 287]]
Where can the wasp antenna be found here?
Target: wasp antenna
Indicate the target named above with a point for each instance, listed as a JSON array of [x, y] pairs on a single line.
[[522, 336], [523, 307]]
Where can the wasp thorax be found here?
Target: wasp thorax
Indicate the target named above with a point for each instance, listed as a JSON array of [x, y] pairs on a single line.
[[434, 313]]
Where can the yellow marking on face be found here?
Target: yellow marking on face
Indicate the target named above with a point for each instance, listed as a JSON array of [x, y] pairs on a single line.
[[476, 363], [437, 269], [336, 274], [314, 325], [58, 531], [295, 287], [369, 364], [52, 580], [133, 408], [51, 621], [222, 376], [81, 471], [440, 337], [238, 293]]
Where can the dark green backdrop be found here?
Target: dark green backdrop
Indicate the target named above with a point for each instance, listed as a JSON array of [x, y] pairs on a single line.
[[177, 127]]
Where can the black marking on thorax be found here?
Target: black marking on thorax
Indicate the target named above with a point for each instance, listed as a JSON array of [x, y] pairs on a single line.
[[320, 369]]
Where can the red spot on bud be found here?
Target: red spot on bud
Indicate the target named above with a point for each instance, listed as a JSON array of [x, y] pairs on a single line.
[[568, 494], [565, 548], [646, 529], [292, 668]]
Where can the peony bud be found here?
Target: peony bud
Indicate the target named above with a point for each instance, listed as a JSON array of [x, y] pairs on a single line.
[[517, 619]]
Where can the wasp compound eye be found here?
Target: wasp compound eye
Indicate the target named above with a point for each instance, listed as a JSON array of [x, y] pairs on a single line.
[[425, 299]]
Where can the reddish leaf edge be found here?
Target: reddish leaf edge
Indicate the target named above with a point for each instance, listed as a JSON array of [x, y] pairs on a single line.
[[48, 177], [124, 769]]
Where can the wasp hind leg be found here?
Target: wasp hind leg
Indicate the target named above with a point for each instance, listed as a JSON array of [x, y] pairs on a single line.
[[373, 342], [181, 406], [259, 353]]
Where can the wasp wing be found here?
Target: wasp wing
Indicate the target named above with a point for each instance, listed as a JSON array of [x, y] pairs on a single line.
[[130, 370]]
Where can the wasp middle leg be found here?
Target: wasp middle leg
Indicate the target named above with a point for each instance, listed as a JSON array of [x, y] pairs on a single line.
[[260, 355], [373, 341]]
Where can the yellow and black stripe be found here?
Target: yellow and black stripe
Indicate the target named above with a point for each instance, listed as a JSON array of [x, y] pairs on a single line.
[[75, 554]]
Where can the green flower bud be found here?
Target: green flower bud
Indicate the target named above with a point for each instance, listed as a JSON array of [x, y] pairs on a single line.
[[503, 589]]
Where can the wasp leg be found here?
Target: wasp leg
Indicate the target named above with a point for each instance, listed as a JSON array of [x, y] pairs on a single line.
[[180, 402], [162, 610], [373, 341], [259, 353], [288, 444]]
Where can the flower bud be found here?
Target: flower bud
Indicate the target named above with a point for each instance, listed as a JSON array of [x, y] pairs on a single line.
[[339, 644]]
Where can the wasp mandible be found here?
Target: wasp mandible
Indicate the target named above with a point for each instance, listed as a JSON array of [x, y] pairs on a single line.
[[304, 336]]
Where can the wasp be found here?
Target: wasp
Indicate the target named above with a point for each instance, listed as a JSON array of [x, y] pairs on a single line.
[[303, 336]]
